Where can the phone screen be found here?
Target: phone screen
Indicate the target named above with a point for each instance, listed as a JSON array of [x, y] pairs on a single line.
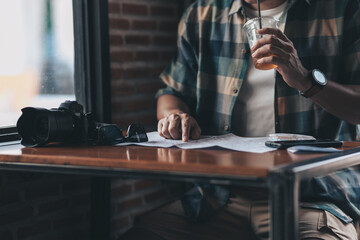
[[317, 143]]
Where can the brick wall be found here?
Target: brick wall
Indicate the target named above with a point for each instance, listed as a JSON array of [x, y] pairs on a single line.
[[44, 206], [142, 43], [130, 198]]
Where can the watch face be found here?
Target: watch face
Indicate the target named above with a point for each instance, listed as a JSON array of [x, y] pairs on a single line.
[[319, 77]]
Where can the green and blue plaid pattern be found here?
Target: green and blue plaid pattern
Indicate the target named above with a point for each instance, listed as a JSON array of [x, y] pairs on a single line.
[[213, 54]]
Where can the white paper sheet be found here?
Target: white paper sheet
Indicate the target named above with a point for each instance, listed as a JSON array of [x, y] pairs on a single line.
[[228, 141]]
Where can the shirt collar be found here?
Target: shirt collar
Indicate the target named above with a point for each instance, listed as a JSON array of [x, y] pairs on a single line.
[[235, 6]]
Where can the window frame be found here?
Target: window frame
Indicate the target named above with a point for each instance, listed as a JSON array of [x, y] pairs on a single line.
[[92, 90], [92, 57]]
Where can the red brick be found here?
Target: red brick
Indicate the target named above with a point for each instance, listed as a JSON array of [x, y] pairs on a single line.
[[124, 121], [150, 87], [177, 189], [117, 107], [116, 40], [114, 7], [162, 11], [167, 55], [123, 89], [147, 56], [16, 215], [46, 190], [54, 206], [128, 204], [149, 119], [168, 26], [160, 194], [122, 24], [143, 25], [120, 223], [143, 184], [165, 40], [138, 105], [116, 73], [138, 213], [121, 56], [137, 72], [121, 191], [137, 39], [76, 185], [135, 9], [158, 70], [34, 229]]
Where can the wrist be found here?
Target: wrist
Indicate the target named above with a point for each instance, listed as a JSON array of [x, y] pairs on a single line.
[[306, 83], [318, 82]]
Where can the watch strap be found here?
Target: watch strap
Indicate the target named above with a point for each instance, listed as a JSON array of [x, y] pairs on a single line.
[[311, 91], [318, 81]]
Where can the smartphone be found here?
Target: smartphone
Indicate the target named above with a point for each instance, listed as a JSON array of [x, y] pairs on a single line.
[[315, 143]]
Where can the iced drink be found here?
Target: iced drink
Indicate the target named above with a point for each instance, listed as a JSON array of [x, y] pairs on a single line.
[[251, 27]]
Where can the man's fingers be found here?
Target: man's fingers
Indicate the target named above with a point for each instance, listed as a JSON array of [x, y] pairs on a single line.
[[174, 127], [273, 38], [195, 131], [273, 31], [165, 129], [272, 43], [269, 50], [185, 127], [276, 60], [159, 127], [179, 126]]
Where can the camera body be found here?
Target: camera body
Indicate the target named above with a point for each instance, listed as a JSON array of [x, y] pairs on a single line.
[[66, 124]]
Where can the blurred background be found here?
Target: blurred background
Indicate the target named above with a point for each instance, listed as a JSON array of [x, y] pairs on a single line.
[[37, 55]]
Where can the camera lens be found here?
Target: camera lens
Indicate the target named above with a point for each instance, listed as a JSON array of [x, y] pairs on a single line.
[[67, 124], [39, 126], [42, 127]]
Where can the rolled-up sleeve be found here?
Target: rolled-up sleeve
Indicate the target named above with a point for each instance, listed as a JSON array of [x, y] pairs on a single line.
[[179, 77]]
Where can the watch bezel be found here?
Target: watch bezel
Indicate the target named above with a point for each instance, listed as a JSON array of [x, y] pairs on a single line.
[[316, 78]]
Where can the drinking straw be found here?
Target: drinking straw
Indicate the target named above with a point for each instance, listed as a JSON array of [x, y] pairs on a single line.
[[259, 13]]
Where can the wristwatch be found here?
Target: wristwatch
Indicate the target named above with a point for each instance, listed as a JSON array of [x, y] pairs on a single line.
[[318, 81]]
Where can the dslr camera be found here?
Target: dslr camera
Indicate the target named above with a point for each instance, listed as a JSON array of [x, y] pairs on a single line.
[[70, 125]]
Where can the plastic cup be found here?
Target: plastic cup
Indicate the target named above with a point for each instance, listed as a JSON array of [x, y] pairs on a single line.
[[251, 27]]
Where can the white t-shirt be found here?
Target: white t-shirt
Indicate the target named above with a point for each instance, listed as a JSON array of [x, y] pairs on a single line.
[[253, 114]]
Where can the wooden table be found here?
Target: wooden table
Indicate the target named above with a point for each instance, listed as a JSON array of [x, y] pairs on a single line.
[[279, 171]]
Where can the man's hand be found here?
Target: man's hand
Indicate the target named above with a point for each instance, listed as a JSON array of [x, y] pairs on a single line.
[[179, 126], [277, 49]]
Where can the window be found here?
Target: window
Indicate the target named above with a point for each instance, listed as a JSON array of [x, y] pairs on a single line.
[[37, 56], [54, 50]]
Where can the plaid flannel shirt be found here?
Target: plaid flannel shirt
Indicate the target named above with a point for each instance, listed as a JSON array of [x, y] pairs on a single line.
[[212, 58]]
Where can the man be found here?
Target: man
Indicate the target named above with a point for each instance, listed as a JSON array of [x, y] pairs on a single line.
[[212, 87]]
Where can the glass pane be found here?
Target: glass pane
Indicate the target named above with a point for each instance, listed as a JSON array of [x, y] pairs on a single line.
[[37, 56]]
